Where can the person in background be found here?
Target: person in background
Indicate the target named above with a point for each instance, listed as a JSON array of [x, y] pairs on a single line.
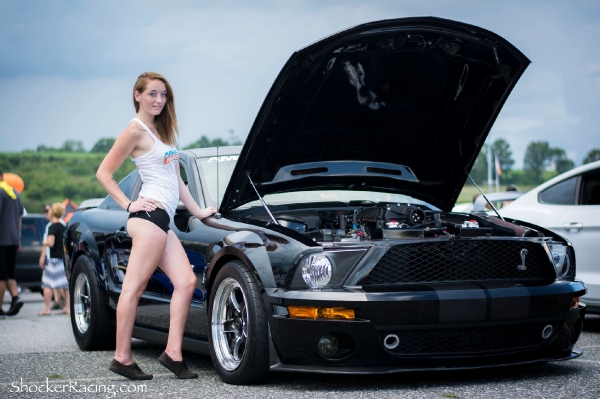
[[11, 212], [150, 140], [59, 301], [54, 276]]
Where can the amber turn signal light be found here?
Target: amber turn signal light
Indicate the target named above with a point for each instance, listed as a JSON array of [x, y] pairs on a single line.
[[575, 303], [311, 312]]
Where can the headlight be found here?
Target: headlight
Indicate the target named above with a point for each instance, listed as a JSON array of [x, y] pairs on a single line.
[[560, 260], [317, 271]]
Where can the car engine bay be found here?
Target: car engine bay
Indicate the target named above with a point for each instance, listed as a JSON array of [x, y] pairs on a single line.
[[372, 221]]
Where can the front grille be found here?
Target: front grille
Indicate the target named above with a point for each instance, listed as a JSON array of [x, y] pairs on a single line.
[[461, 260], [468, 340]]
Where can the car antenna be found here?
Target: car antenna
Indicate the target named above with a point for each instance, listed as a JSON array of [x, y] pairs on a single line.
[[261, 199], [218, 214], [488, 201]]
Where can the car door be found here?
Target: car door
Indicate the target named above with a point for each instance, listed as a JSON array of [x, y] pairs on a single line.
[[28, 272], [580, 223]]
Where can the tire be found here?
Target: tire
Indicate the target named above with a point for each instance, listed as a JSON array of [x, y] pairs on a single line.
[[241, 354], [92, 326]]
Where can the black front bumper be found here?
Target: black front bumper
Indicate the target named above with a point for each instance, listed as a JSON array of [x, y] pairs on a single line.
[[445, 327]]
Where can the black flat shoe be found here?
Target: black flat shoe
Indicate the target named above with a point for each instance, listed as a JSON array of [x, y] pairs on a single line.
[[15, 307], [180, 369], [131, 371]]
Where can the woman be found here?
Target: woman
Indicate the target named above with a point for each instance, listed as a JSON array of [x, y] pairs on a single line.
[[54, 277], [61, 295], [149, 140]]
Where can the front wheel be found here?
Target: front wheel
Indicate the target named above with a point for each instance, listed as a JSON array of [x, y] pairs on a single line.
[[91, 322], [239, 338]]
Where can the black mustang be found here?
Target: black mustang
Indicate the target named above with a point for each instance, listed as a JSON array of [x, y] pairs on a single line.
[[335, 249]]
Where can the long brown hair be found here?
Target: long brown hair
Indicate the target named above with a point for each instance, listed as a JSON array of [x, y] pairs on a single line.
[[166, 121]]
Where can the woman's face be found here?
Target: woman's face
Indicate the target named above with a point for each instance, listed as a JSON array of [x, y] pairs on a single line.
[[153, 99]]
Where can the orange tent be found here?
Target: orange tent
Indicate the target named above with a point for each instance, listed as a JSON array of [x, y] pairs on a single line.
[[70, 209]]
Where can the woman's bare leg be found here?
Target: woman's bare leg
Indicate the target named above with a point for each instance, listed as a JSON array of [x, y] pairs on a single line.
[[176, 266], [47, 299], [65, 294], [148, 247]]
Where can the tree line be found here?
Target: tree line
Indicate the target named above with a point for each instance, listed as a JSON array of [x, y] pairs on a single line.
[[53, 174], [104, 145], [69, 171], [540, 162]]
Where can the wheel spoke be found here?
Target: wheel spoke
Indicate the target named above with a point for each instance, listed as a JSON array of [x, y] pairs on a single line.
[[233, 300], [237, 342], [228, 326]]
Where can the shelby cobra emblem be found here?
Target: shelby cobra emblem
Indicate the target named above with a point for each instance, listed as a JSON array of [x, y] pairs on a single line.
[[522, 265]]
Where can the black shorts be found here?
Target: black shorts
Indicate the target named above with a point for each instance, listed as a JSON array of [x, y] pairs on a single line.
[[8, 260], [159, 217]]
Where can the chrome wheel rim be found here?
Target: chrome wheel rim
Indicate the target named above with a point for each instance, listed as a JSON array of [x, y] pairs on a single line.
[[82, 303], [229, 324]]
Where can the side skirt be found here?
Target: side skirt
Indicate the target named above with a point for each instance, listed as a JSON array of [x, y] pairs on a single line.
[[192, 345]]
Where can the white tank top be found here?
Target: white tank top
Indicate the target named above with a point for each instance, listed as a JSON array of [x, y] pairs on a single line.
[[158, 172]]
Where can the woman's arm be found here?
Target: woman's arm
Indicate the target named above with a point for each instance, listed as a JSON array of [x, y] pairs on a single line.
[[42, 261], [190, 203], [49, 242], [125, 144]]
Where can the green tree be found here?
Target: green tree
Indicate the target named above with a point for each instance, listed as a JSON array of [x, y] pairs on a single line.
[[502, 151], [479, 170], [103, 145], [561, 162], [537, 157], [72, 146], [593, 155], [204, 142]]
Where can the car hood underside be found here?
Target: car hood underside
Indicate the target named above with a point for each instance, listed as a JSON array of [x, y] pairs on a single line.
[[401, 106]]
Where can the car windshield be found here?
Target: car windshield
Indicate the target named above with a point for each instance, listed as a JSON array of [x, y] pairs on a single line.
[[214, 188], [226, 163]]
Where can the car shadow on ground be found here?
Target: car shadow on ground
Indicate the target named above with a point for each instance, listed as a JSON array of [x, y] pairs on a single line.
[[530, 373]]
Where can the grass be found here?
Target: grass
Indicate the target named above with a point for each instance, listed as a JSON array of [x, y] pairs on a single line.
[[468, 191], [55, 376], [451, 395]]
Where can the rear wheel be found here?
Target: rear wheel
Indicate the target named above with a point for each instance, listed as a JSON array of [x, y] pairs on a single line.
[[90, 319], [239, 338]]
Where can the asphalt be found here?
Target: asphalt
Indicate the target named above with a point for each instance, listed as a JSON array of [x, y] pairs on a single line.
[[39, 352]]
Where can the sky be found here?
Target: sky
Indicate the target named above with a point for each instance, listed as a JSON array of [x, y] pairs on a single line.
[[67, 68]]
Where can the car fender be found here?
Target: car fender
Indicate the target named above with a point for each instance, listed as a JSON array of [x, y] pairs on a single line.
[[248, 246]]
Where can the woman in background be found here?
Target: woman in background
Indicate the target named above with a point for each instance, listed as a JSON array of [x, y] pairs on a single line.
[[149, 140], [54, 277]]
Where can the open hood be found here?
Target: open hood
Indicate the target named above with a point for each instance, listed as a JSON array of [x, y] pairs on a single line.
[[399, 106]]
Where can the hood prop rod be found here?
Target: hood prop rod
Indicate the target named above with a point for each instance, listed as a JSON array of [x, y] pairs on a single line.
[[486, 198], [260, 198]]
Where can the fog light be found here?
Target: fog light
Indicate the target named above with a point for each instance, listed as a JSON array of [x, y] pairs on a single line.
[[311, 312], [575, 303], [328, 345]]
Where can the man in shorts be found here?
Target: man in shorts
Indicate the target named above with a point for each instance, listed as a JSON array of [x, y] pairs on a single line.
[[11, 211]]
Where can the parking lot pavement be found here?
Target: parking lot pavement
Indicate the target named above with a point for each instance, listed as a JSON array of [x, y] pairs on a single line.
[[40, 352]]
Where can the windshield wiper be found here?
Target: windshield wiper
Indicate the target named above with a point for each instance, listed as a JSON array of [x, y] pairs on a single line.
[[261, 198]]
